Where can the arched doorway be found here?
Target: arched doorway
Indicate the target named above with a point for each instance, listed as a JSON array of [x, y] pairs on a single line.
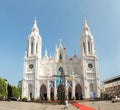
[[30, 94], [78, 92], [52, 93], [92, 93], [70, 93], [60, 92], [43, 92]]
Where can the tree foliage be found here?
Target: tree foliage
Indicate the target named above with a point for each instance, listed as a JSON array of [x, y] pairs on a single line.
[[3, 87], [7, 90], [13, 91]]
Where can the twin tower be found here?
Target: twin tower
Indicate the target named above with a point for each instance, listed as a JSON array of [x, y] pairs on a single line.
[[41, 75]]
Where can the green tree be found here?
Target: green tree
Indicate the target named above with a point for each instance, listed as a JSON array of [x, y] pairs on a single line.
[[9, 88], [13, 91], [3, 88]]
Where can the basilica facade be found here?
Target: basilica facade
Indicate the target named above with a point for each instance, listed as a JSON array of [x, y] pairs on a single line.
[[41, 75]]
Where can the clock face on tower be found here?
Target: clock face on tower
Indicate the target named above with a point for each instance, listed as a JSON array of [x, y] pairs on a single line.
[[90, 65], [31, 66]]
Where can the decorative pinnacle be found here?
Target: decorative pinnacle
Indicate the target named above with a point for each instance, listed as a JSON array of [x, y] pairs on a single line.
[[35, 25], [46, 52], [74, 51], [35, 21]]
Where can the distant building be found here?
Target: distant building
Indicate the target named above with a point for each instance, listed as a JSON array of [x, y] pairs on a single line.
[[41, 75], [111, 87]]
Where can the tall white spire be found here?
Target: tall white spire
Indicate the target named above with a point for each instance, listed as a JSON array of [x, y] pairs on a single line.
[[34, 41], [35, 27], [86, 29]]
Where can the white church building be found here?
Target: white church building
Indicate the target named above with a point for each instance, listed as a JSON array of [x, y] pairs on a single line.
[[41, 75]]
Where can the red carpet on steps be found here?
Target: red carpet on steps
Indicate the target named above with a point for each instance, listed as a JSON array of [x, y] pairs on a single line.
[[82, 107]]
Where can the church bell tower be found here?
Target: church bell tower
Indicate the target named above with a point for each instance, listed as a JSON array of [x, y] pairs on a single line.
[[89, 63], [32, 60]]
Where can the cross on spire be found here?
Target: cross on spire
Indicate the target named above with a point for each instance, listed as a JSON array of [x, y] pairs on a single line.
[[60, 41], [85, 22]]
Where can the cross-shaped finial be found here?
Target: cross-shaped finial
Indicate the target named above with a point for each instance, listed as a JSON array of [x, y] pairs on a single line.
[[60, 41]]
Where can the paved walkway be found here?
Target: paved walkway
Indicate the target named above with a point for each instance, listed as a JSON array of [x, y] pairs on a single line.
[[103, 105], [13, 105]]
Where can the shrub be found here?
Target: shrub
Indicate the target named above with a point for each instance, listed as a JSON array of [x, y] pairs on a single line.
[[25, 99], [74, 98], [32, 99], [47, 99]]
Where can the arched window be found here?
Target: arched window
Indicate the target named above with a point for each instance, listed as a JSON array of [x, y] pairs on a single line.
[[60, 57], [84, 46], [32, 48], [89, 47]]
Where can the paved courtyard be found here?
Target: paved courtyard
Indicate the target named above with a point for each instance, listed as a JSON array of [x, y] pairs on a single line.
[[12, 105], [103, 105]]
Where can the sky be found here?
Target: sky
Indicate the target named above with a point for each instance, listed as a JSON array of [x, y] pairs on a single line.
[[59, 19]]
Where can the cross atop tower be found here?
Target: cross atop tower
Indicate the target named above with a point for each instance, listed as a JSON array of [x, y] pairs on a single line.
[[60, 42], [85, 22]]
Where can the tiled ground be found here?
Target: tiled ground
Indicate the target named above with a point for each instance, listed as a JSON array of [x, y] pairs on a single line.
[[103, 105], [12, 105]]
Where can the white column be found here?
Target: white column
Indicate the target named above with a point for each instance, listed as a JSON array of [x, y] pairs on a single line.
[[73, 88], [40, 50], [55, 90], [36, 94], [48, 90], [92, 45], [23, 89], [66, 88]]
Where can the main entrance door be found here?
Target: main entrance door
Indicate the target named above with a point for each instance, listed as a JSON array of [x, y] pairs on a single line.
[[78, 92], [43, 92], [30, 91], [52, 93]]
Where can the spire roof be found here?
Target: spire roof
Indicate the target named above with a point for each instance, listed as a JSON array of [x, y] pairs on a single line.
[[35, 27], [86, 29], [35, 23]]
